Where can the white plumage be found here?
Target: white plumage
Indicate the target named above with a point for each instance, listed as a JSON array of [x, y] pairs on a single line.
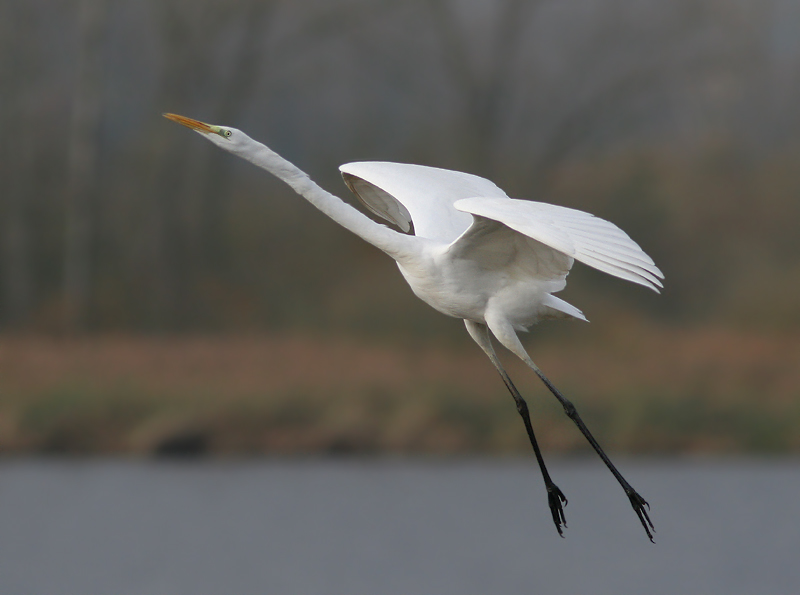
[[475, 254], [439, 203]]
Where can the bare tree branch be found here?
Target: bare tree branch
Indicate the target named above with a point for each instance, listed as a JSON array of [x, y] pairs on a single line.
[[83, 155]]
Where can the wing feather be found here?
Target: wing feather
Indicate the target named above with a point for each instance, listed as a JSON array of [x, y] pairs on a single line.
[[439, 203], [404, 193], [582, 236]]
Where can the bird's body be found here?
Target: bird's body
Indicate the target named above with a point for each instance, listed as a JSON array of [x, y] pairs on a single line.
[[500, 281], [474, 254], [458, 267]]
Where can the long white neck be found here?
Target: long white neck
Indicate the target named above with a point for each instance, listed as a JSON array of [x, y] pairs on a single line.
[[397, 245]]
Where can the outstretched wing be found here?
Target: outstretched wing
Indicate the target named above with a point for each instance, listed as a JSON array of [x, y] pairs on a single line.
[[404, 194], [579, 235]]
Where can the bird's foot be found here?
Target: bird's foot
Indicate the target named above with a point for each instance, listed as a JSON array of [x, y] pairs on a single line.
[[555, 499], [640, 506]]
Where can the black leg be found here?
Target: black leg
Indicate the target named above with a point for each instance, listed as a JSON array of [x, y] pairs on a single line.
[[555, 497], [639, 504]]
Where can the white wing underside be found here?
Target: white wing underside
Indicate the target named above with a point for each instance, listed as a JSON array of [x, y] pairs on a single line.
[[481, 222], [579, 235]]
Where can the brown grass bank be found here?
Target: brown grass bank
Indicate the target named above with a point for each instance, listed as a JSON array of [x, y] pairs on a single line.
[[643, 389]]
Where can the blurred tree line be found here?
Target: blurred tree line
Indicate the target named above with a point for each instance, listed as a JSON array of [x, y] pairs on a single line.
[[677, 120]]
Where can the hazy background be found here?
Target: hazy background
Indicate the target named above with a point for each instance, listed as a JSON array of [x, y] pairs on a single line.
[[158, 295]]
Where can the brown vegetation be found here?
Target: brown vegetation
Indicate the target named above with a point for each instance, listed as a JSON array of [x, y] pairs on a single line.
[[641, 388]]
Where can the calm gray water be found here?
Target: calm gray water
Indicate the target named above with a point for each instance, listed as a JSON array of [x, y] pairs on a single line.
[[385, 527]]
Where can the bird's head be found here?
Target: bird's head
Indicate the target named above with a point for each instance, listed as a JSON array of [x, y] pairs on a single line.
[[224, 137]]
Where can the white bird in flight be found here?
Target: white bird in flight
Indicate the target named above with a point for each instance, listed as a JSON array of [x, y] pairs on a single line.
[[475, 254]]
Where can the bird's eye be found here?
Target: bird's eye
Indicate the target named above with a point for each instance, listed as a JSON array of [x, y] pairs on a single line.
[[226, 133]]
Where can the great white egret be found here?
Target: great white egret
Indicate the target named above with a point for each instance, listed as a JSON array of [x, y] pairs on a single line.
[[475, 254]]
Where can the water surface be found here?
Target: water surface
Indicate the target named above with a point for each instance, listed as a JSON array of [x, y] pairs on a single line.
[[384, 527]]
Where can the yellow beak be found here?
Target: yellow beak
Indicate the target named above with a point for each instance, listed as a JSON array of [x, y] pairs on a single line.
[[193, 124]]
